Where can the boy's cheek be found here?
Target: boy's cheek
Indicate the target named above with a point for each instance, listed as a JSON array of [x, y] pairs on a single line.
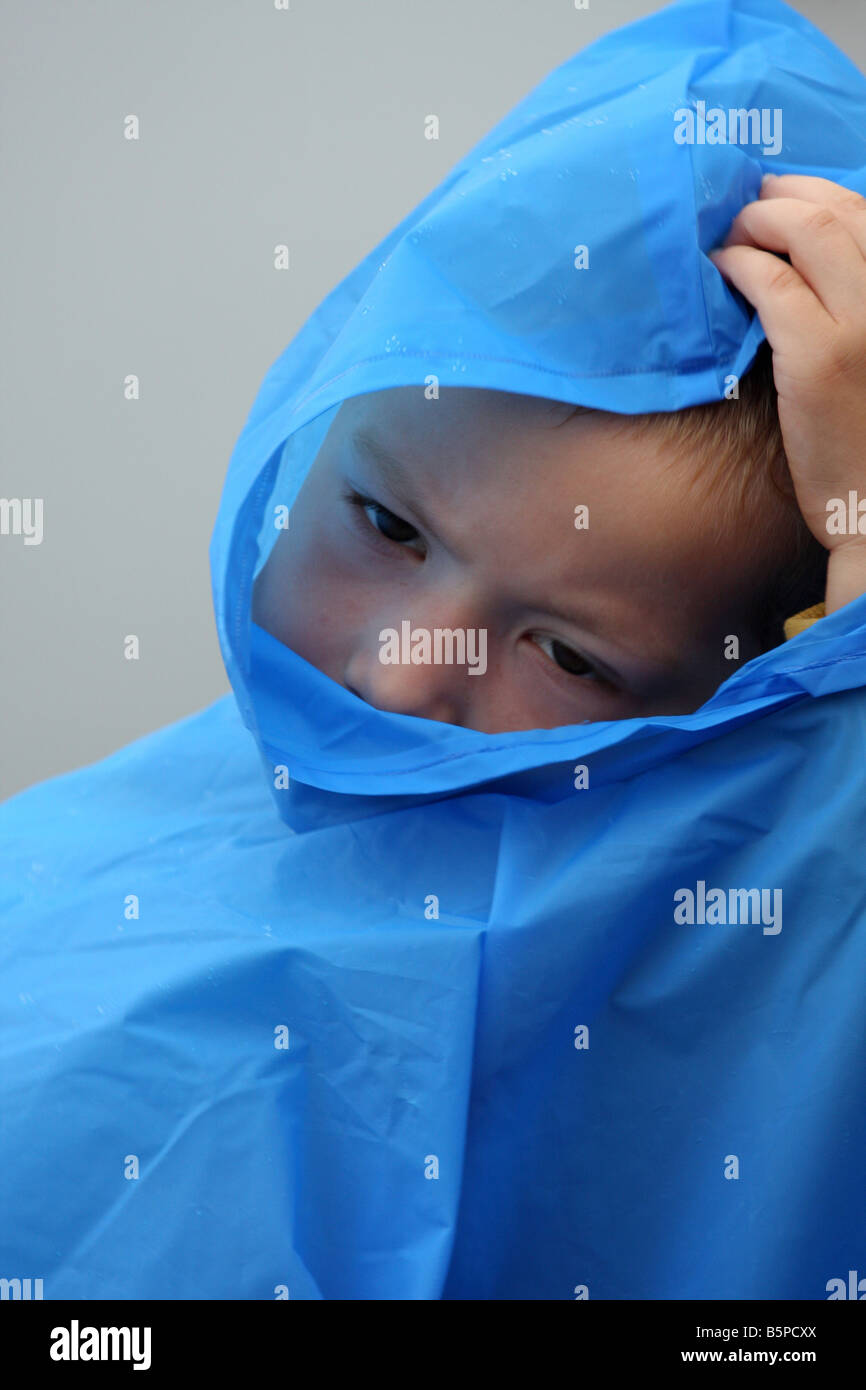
[[323, 606]]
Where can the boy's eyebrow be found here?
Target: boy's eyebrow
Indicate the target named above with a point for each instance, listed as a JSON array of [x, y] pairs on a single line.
[[397, 476], [668, 661], [394, 472]]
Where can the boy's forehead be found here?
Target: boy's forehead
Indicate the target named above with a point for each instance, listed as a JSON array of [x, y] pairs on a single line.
[[522, 453], [459, 406], [524, 466], [471, 434]]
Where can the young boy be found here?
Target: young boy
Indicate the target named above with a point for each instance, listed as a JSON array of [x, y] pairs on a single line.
[[535, 975], [462, 516]]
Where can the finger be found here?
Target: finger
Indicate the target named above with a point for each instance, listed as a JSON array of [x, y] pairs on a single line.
[[820, 248], [848, 205], [786, 305]]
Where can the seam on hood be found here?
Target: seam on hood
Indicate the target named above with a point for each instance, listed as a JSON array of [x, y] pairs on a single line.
[[685, 368]]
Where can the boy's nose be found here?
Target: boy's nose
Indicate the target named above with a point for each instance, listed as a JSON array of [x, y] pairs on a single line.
[[425, 691], [408, 697], [429, 690]]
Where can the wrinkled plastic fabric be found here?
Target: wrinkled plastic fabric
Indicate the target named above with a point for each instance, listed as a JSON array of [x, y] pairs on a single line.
[[241, 1055]]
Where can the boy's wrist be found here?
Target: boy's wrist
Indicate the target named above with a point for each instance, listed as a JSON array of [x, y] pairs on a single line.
[[846, 574]]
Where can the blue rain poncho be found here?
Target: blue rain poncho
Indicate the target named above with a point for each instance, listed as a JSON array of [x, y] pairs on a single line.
[[303, 998]]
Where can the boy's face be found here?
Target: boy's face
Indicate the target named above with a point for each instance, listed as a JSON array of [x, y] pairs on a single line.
[[472, 526]]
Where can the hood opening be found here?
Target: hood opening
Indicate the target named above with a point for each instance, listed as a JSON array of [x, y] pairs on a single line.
[[563, 258]]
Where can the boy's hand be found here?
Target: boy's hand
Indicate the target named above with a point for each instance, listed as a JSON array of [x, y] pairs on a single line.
[[813, 312]]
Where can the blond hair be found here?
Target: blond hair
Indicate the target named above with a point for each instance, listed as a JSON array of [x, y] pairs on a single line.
[[736, 453]]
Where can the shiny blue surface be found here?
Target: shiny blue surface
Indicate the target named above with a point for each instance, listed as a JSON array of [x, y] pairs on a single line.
[[563, 1171]]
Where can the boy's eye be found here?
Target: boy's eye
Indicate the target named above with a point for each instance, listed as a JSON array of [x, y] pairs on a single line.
[[392, 527], [567, 659]]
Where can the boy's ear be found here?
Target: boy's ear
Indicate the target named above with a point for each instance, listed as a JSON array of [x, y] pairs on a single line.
[[780, 475], [758, 392], [800, 585]]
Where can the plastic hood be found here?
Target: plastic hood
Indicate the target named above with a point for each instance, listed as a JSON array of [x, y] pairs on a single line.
[[470, 1032], [476, 287]]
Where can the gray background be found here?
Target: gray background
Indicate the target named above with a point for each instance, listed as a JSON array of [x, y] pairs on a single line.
[[155, 257]]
